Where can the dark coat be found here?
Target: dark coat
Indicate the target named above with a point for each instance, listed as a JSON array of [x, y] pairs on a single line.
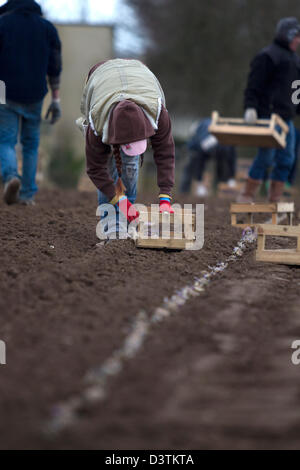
[[30, 50], [269, 89], [200, 134]]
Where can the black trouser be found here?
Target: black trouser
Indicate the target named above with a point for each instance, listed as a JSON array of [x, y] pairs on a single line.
[[225, 165], [193, 169], [293, 172]]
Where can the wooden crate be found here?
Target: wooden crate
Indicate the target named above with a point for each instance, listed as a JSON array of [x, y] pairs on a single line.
[[274, 208], [286, 256], [172, 231], [265, 133]]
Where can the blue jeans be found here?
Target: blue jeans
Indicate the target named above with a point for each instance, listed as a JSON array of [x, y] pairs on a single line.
[[130, 174], [24, 120], [281, 160]]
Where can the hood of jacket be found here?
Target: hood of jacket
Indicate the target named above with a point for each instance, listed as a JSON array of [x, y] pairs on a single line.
[[26, 6], [128, 123], [286, 30]]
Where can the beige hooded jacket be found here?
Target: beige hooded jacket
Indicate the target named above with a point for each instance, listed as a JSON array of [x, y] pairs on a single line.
[[114, 81]]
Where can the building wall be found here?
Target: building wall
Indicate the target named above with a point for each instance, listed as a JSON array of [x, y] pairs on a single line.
[[83, 46]]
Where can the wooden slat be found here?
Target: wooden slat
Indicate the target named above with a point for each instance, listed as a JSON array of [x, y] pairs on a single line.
[[158, 218], [160, 243], [246, 130], [274, 218], [279, 256], [261, 242], [273, 122], [281, 138], [177, 209], [146, 216], [279, 230], [214, 117], [143, 217], [268, 141], [253, 207], [141, 227], [265, 122], [244, 225], [172, 234], [262, 207], [165, 225], [281, 123], [189, 232], [285, 207], [250, 218]]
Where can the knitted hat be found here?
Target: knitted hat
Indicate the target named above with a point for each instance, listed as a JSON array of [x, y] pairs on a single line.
[[27, 5]]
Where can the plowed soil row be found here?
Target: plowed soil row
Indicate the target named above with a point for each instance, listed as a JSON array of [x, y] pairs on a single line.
[[216, 375]]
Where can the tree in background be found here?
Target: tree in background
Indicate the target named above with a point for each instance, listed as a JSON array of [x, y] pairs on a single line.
[[201, 50]]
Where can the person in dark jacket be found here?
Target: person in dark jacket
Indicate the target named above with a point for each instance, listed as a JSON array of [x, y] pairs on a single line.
[[201, 147], [30, 50], [269, 90]]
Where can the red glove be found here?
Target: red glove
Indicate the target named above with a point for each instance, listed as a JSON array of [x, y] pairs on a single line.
[[165, 203], [127, 209]]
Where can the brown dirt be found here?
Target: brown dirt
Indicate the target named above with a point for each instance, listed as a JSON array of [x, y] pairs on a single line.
[[216, 375]]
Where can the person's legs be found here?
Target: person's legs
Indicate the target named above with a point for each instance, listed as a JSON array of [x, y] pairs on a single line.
[[108, 226], [262, 162], [293, 172], [112, 171], [232, 160], [222, 170], [284, 160], [189, 172], [30, 139], [9, 128], [226, 163], [198, 171], [130, 172], [200, 164], [130, 175]]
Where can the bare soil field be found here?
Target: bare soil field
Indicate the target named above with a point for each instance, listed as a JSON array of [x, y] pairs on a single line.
[[217, 374]]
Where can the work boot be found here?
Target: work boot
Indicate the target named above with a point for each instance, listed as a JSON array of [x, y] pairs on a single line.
[[276, 190], [248, 194], [11, 191]]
